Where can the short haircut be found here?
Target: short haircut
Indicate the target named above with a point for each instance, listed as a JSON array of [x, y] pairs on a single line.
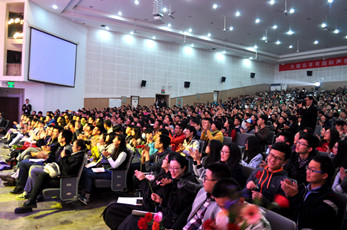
[[218, 124], [67, 134], [108, 123], [226, 187], [311, 139], [181, 160], [191, 129], [164, 131], [288, 137], [326, 166], [219, 170], [284, 148], [264, 117], [165, 140], [81, 143], [340, 123]]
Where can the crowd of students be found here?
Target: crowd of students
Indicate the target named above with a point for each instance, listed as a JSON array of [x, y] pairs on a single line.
[[182, 146]]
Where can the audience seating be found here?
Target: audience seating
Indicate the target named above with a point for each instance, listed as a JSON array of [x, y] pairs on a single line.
[[68, 190], [279, 222], [4, 128], [241, 140], [118, 178], [227, 140], [247, 171]]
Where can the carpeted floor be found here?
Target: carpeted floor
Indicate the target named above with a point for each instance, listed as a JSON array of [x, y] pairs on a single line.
[[71, 216]]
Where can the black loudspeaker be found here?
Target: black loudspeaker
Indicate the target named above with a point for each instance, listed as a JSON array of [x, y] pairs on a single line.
[[309, 73], [252, 75], [186, 84], [143, 83], [223, 79]]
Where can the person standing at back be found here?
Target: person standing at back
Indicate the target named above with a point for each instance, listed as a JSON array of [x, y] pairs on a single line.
[[26, 108]]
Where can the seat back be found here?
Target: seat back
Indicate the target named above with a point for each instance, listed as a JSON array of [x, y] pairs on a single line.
[[68, 190], [342, 209], [69, 185], [278, 221], [119, 176], [241, 138], [247, 171], [227, 140]]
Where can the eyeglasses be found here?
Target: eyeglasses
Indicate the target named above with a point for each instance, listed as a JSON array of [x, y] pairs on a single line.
[[205, 179], [301, 143], [174, 169], [310, 170], [275, 158], [224, 151]]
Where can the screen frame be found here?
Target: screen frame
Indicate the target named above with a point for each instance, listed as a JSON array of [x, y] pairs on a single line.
[[29, 58]]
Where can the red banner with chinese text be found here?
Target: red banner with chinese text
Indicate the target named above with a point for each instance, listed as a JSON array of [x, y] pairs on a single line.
[[314, 64]]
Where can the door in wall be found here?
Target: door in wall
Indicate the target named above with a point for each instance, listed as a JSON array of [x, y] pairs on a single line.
[[9, 108]]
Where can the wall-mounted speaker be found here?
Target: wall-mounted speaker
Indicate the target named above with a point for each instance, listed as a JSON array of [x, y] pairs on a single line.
[[223, 79], [252, 75], [143, 83], [186, 84], [309, 73]]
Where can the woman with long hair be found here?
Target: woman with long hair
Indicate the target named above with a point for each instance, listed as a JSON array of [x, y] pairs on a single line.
[[231, 156], [253, 152], [213, 150], [330, 137], [110, 160]]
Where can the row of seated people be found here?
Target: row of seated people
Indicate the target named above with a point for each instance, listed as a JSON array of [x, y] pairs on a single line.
[[230, 155]]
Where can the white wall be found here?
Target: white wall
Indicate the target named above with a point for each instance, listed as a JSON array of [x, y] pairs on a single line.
[[57, 96], [117, 63], [299, 77]]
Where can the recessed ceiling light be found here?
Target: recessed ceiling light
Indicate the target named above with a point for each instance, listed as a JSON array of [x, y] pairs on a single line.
[[250, 58], [209, 35], [290, 47], [292, 11], [190, 30], [120, 13], [224, 52], [278, 42], [316, 42], [238, 13], [271, 2], [290, 32], [231, 28], [274, 27], [255, 47], [323, 25], [214, 6], [346, 36], [153, 37], [336, 31], [192, 45], [55, 6], [137, 2], [131, 32], [264, 38], [257, 20], [330, 1], [107, 28], [164, 9], [169, 25]]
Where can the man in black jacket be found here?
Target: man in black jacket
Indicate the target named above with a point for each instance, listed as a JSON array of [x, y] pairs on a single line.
[[308, 113], [315, 206]]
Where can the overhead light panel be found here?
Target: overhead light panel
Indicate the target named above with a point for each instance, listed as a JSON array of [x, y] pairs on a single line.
[[274, 27], [209, 35], [336, 31], [291, 10], [271, 2], [238, 14], [231, 28], [290, 46], [153, 37], [164, 9], [278, 42], [214, 6], [316, 42], [55, 6], [290, 32], [190, 30], [120, 13], [323, 25], [169, 25], [330, 1], [137, 2], [257, 20]]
